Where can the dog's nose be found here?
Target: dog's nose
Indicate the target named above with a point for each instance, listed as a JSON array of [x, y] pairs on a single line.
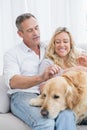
[[44, 113]]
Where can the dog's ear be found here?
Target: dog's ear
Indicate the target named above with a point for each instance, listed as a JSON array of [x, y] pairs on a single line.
[[75, 77], [72, 97]]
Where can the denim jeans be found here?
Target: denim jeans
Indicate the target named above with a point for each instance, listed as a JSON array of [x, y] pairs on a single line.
[[31, 115]]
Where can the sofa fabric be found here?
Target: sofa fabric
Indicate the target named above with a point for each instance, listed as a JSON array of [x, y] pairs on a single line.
[[10, 122], [4, 98]]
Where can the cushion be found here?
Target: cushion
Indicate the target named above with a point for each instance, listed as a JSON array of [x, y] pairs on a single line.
[[9, 122], [4, 98]]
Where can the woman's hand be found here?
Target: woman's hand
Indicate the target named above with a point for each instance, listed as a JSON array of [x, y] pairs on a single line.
[[82, 60]]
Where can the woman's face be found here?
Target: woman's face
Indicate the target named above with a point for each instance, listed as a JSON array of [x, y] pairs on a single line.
[[62, 44]]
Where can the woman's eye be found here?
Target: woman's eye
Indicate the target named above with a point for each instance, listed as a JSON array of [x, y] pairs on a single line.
[[57, 42], [65, 41]]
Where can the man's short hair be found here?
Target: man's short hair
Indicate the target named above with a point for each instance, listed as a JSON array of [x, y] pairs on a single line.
[[22, 18]]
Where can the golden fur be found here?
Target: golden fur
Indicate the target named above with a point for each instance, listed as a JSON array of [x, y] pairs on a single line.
[[68, 91]]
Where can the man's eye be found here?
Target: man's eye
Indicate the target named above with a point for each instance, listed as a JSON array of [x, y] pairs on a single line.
[[56, 96], [37, 28], [29, 30]]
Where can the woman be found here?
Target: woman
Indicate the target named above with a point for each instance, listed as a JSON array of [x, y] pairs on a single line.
[[62, 52]]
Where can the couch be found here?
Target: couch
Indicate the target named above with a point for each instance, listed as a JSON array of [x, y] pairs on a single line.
[[7, 120]]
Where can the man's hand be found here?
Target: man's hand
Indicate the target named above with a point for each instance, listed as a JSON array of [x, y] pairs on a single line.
[[50, 72]]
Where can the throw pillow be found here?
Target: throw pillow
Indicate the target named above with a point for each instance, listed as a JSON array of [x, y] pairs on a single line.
[[4, 98]]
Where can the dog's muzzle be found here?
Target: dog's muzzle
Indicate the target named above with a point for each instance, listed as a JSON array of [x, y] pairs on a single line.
[[44, 113]]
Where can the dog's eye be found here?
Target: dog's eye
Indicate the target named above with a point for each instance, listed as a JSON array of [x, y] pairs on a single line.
[[55, 96], [44, 95]]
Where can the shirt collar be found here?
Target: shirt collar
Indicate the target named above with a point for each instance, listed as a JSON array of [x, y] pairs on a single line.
[[25, 48]]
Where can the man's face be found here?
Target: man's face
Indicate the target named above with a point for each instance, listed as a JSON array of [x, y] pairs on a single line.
[[30, 32]]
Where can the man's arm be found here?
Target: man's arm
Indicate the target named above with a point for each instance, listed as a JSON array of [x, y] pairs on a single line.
[[23, 82]]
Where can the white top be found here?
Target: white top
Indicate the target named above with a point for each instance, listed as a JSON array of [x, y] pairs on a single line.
[[22, 60]]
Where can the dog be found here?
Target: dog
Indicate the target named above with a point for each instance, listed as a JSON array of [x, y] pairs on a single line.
[[68, 91]]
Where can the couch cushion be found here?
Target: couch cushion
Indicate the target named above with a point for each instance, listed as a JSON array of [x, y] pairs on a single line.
[[9, 122], [82, 127], [4, 99]]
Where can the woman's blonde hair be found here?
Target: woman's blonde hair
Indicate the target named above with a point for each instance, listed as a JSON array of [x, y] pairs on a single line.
[[73, 54]]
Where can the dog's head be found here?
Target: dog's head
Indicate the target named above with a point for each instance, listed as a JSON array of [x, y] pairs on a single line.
[[61, 92], [54, 96]]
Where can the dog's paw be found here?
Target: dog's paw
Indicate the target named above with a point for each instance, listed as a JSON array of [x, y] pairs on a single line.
[[36, 101], [33, 102]]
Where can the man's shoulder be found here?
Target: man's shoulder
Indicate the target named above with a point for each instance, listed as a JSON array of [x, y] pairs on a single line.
[[13, 50]]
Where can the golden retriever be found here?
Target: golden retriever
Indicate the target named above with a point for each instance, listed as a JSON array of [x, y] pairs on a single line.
[[68, 91]]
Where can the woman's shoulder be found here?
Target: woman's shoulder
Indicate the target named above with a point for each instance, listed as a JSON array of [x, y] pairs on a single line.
[[81, 50], [48, 60]]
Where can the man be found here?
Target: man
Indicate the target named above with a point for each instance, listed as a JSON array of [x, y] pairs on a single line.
[[21, 75]]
